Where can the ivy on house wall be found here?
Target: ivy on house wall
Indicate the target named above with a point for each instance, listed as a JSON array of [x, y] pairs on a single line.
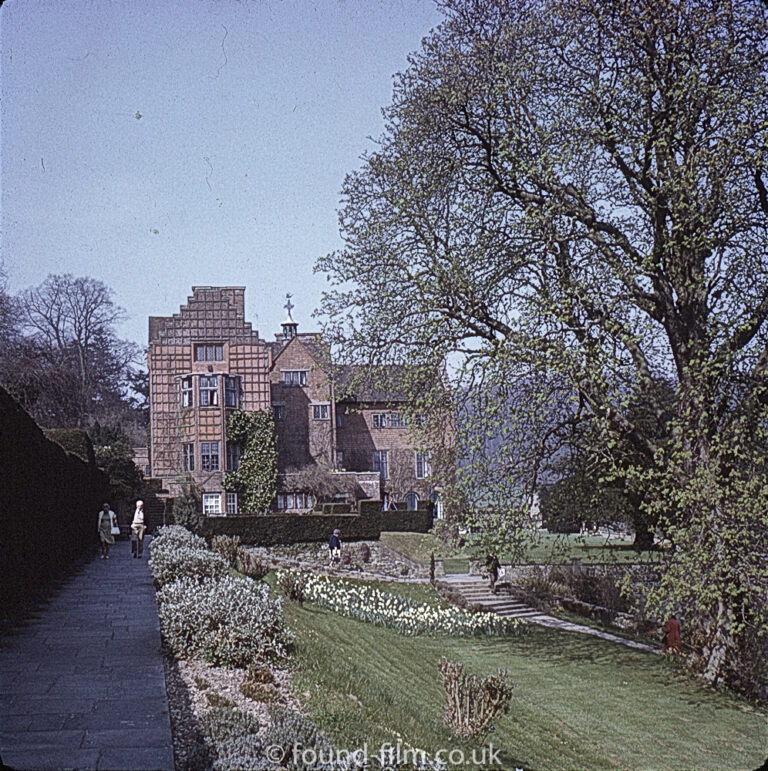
[[256, 477]]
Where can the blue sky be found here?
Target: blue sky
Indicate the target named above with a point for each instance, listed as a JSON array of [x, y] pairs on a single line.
[[160, 144]]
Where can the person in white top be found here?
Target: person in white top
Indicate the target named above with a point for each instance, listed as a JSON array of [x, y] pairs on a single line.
[[138, 528]]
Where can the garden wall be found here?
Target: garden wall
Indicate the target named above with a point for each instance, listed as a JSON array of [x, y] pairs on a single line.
[[272, 529], [48, 507]]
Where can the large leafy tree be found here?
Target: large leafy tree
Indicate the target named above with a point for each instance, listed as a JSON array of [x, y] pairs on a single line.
[[569, 202]]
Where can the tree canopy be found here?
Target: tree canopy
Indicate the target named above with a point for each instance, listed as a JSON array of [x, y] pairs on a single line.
[[569, 205], [63, 359]]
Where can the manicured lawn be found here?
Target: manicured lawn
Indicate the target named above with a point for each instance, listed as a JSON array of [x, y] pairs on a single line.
[[544, 548], [580, 703]]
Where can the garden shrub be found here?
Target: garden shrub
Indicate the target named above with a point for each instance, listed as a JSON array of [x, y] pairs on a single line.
[[260, 691], [227, 621], [259, 673], [218, 700], [473, 705], [239, 753], [292, 585], [228, 722], [291, 730], [173, 561], [227, 546], [365, 552], [252, 565], [176, 535]]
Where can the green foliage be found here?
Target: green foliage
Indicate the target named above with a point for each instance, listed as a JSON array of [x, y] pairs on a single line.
[[569, 204], [256, 479], [187, 510], [227, 546], [73, 440]]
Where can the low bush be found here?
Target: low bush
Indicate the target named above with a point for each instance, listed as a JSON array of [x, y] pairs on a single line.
[[259, 673], [227, 722], [293, 585], [241, 752], [473, 705], [218, 700], [227, 621], [228, 547], [291, 731], [252, 565], [260, 692], [174, 561], [176, 535]]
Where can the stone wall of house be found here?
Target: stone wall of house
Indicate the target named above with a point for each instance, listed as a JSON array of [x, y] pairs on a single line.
[[302, 437], [212, 315]]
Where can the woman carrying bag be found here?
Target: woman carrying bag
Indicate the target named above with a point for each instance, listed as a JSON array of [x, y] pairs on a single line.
[[107, 529]]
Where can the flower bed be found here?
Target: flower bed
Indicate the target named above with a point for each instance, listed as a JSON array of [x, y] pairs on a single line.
[[368, 603]]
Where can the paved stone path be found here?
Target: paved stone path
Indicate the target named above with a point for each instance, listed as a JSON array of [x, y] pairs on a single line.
[[475, 589], [82, 684]]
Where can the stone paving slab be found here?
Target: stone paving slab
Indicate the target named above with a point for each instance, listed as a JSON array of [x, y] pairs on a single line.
[[82, 683]]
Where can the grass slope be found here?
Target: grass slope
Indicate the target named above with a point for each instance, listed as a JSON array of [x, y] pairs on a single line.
[[580, 703]]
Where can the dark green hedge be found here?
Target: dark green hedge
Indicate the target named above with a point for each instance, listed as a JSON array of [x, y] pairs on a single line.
[[72, 440], [274, 529], [49, 505]]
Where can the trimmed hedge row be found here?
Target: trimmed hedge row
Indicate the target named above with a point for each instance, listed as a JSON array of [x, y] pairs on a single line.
[[273, 529], [48, 508]]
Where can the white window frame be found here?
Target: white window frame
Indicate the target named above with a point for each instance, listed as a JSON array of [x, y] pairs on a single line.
[[423, 466], [380, 463], [321, 412], [295, 377], [212, 504], [188, 456], [187, 388], [206, 451], [231, 502], [208, 391], [379, 420]]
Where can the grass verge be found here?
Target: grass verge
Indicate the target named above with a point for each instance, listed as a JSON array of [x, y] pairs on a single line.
[[580, 703]]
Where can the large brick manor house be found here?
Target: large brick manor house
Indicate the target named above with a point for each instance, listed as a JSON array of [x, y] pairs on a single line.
[[207, 360]]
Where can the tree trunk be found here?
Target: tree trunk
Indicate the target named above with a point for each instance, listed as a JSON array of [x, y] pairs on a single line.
[[718, 648]]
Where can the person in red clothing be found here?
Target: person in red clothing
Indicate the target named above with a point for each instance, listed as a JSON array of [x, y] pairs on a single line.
[[672, 642]]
